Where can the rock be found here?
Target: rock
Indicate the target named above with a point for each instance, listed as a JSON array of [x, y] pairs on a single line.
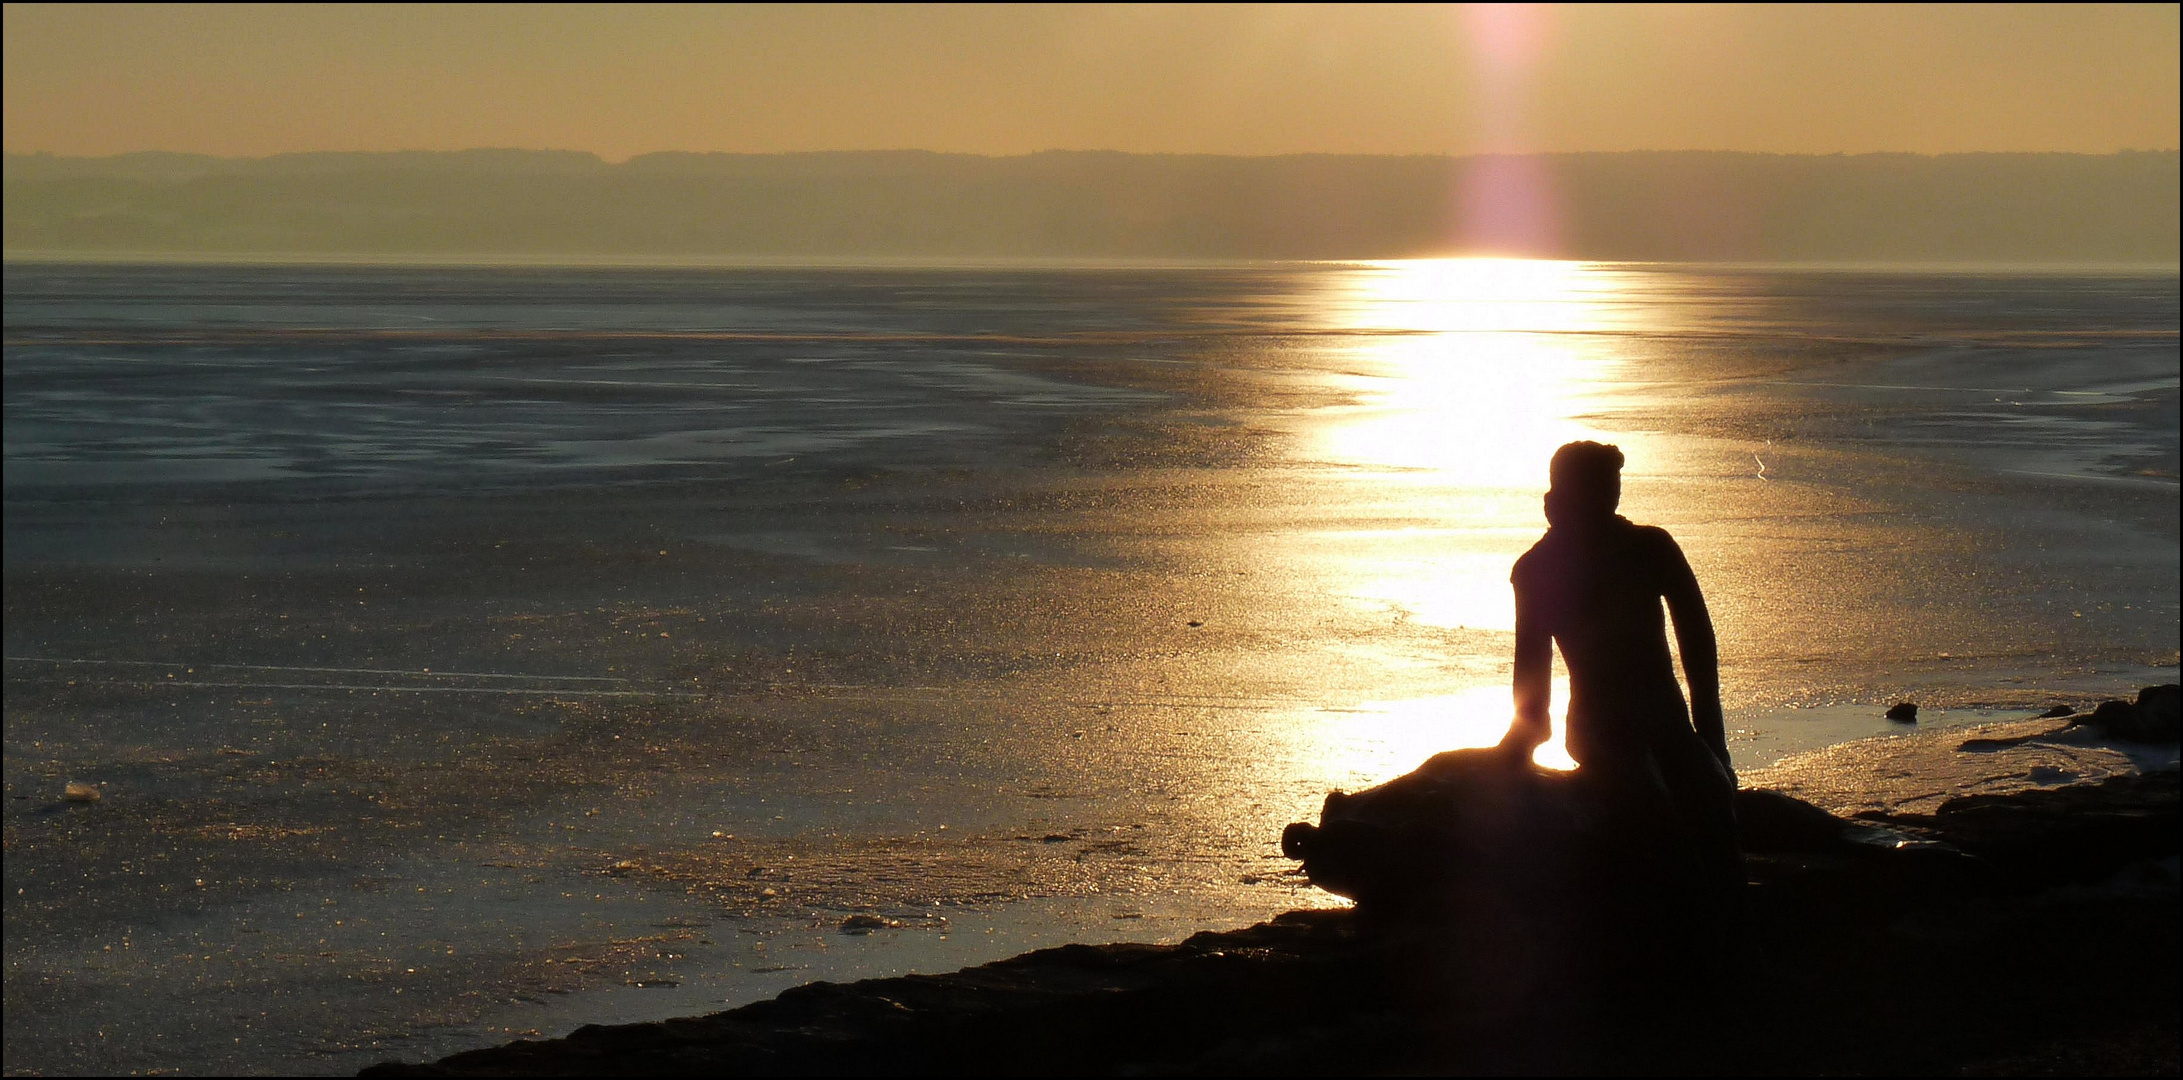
[[1768, 821], [2152, 718], [2050, 836], [2058, 712], [1297, 838], [865, 924], [1904, 711], [1462, 818], [79, 792], [2085, 982], [2113, 717], [2160, 712]]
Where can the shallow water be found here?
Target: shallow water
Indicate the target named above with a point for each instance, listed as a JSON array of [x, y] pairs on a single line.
[[466, 652]]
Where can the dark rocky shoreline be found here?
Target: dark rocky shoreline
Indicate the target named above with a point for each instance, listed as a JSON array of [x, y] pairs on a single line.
[[2034, 933]]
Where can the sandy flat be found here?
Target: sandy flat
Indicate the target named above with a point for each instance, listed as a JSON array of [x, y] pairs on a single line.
[[1916, 772]]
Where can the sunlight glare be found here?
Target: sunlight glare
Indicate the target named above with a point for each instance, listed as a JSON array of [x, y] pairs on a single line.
[[1474, 369], [1468, 373], [1376, 741]]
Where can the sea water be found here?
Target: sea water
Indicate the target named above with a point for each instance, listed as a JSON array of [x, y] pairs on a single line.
[[466, 652]]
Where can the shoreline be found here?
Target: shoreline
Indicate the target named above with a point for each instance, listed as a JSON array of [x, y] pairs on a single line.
[[2079, 878]]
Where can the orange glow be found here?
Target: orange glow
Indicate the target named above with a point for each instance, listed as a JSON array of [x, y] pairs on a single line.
[[1251, 79], [1481, 368], [1467, 374], [1377, 740]]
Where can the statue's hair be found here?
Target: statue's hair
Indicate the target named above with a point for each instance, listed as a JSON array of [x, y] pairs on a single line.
[[1587, 466]]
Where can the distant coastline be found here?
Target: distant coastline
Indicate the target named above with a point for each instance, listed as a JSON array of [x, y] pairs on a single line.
[[503, 206], [1030, 263]]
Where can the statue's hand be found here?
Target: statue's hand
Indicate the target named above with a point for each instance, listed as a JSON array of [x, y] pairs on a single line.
[[1515, 748]]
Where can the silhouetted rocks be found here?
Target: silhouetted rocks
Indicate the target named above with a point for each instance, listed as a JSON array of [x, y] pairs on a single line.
[[1904, 712], [2117, 719], [1464, 820], [1215, 998], [1771, 821], [2058, 712], [2160, 713], [2156, 716], [1958, 910], [2074, 834]]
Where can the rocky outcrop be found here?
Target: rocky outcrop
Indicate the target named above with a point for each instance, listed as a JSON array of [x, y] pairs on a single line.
[[2036, 932], [2067, 835], [1464, 821], [2156, 716], [1075, 1009]]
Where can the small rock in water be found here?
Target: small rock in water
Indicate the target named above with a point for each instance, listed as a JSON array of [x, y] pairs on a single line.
[[1904, 711], [865, 924], [79, 792], [2058, 712]]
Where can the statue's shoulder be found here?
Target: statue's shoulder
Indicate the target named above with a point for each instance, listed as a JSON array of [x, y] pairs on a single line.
[[1528, 563], [1651, 536], [1655, 554]]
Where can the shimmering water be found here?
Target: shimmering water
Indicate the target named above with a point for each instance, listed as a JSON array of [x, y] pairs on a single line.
[[473, 651]]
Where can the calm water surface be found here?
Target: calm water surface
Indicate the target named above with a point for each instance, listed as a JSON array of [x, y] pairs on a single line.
[[471, 652]]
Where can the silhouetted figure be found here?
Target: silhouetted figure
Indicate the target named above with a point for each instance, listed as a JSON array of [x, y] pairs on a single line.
[[1594, 585], [1617, 883]]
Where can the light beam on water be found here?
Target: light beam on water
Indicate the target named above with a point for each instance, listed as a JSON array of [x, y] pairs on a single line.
[[1465, 375]]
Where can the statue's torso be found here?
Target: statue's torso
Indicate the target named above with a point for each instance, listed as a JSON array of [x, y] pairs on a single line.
[[1599, 595]]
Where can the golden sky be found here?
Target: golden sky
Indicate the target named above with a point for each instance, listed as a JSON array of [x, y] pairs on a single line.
[[622, 80]]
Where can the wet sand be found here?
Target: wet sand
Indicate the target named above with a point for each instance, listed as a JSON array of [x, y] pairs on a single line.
[[394, 772]]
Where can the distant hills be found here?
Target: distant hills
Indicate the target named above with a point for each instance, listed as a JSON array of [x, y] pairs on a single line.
[[1699, 206]]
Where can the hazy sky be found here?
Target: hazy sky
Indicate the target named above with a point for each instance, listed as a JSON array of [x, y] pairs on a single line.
[[621, 80]]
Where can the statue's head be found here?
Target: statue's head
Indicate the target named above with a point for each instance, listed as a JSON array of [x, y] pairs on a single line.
[[1587, 484]]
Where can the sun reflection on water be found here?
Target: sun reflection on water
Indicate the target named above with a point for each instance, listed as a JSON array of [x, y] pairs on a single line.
[[1376, 740], [1465, 375], [1472, 370]]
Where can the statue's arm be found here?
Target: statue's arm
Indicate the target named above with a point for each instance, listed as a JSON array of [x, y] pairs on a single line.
[[1701, 652], [1534, 683]]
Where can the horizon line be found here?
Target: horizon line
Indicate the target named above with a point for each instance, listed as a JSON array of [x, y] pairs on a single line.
[[481, 260], [1443, 155]]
